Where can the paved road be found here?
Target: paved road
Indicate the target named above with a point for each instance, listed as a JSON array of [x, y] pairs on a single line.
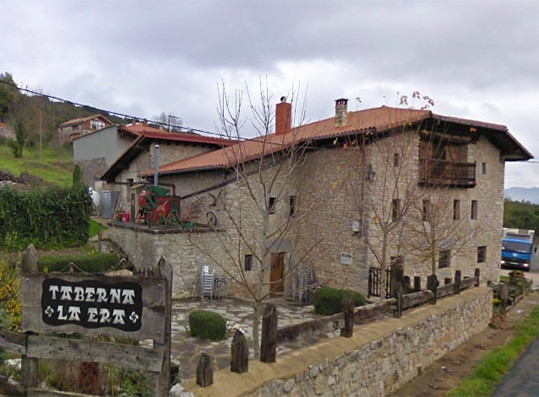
[[523, 380]]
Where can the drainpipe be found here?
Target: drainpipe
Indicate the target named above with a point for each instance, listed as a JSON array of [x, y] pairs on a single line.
[[156, 165]]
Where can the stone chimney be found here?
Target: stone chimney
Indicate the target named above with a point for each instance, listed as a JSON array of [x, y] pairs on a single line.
[[341, 112], [283, 117]]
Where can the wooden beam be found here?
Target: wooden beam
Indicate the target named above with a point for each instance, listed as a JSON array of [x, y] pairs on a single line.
[[129, 356]]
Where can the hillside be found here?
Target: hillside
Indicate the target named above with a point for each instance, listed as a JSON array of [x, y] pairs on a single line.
[[54, 167], [530, 194]]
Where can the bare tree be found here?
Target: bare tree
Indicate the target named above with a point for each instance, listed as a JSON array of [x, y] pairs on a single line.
[[263, 206], [380, 174], [437, 229], [169, 121]]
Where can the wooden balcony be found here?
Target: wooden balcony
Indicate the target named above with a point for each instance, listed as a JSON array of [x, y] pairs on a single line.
[[442, 173]]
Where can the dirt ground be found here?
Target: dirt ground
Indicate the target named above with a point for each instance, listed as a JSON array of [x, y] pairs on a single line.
[[450, 370]]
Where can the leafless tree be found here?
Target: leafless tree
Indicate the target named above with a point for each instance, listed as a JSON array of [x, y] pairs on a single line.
[[263, 207], [169, 121], [380, 174]]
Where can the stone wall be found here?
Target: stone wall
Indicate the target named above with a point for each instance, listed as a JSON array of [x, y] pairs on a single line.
[[327, 204], [379, 359]]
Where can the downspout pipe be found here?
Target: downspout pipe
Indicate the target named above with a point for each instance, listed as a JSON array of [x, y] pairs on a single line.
[[156, 166]]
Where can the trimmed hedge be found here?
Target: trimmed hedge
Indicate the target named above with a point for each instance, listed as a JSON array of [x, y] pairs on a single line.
[[49, 219], [95, 263], [207, 325], [328, 300]]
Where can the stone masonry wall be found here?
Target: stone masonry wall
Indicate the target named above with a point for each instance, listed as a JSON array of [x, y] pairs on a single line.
[[379, 359], [326, 197]]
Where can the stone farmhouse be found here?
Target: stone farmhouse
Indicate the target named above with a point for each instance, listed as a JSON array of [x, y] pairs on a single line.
[[117, 146], [122, 174], [71, 129], [326, 201]]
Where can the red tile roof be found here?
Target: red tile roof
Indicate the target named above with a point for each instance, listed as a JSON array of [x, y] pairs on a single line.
[[247, 150], [145, 135], [379, 119], [155, 133]]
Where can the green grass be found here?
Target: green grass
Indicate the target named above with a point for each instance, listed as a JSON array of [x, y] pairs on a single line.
[[497, 363], [53, 166], [94, 228]]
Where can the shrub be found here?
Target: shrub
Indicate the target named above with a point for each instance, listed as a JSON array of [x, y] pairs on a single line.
[[207, 325], [53, 218], [95, 263], [328, 300], [10, 304]]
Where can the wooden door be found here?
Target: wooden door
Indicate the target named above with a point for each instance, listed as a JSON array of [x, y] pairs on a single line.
[[276, 274]]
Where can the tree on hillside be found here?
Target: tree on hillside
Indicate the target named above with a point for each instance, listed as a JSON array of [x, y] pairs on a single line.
[[8, 94], [21, 133], [264, 205], [520, 215], [169, 121]]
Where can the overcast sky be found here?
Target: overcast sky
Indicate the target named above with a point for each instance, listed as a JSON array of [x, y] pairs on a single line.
[[476, 59]]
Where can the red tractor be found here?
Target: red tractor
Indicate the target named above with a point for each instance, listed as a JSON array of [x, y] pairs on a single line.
[[158, 207]]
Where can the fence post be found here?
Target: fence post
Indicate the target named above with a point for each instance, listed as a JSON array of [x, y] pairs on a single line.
[[504, 295], [348, 308], [161, 381], [397, 284], [204, 371], [458, 280], [268, 345], [477, 274], [417, 283], [29, 365], [239, 361], [432, 285]]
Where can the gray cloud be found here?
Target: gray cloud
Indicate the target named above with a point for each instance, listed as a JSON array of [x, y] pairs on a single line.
[[477, 59]]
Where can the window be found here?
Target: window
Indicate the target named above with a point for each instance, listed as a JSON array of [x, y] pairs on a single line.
[[272, 204], [481, 254], [395, 209], [291, 206], [427, 210], [474, 209], [396, 160], [444, 259], [248, 265], [96, 124], [456, 210], [483, 168]]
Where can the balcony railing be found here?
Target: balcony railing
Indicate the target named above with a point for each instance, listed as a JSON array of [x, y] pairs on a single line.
[[446, 173]]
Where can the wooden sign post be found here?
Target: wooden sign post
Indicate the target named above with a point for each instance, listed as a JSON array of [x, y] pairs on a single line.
[[136, 307]]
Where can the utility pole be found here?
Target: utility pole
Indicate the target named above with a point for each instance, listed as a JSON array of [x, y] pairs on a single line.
[[40, 135]]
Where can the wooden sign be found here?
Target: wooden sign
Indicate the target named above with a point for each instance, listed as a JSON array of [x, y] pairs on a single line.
[[94, 304], [91, 304]]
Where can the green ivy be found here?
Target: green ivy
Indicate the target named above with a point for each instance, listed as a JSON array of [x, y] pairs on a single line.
[[49, 219]]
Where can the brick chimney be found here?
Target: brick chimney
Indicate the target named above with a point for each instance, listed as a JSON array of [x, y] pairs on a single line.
[[283, 117], [341, 112]]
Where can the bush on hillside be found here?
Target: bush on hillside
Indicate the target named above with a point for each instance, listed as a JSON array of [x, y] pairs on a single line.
[[207, 325], [328, 300]]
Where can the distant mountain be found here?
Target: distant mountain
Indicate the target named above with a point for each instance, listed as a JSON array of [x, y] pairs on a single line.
[[530, 194]]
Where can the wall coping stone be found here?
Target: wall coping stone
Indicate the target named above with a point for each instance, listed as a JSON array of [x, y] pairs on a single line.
[[298, 361]]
